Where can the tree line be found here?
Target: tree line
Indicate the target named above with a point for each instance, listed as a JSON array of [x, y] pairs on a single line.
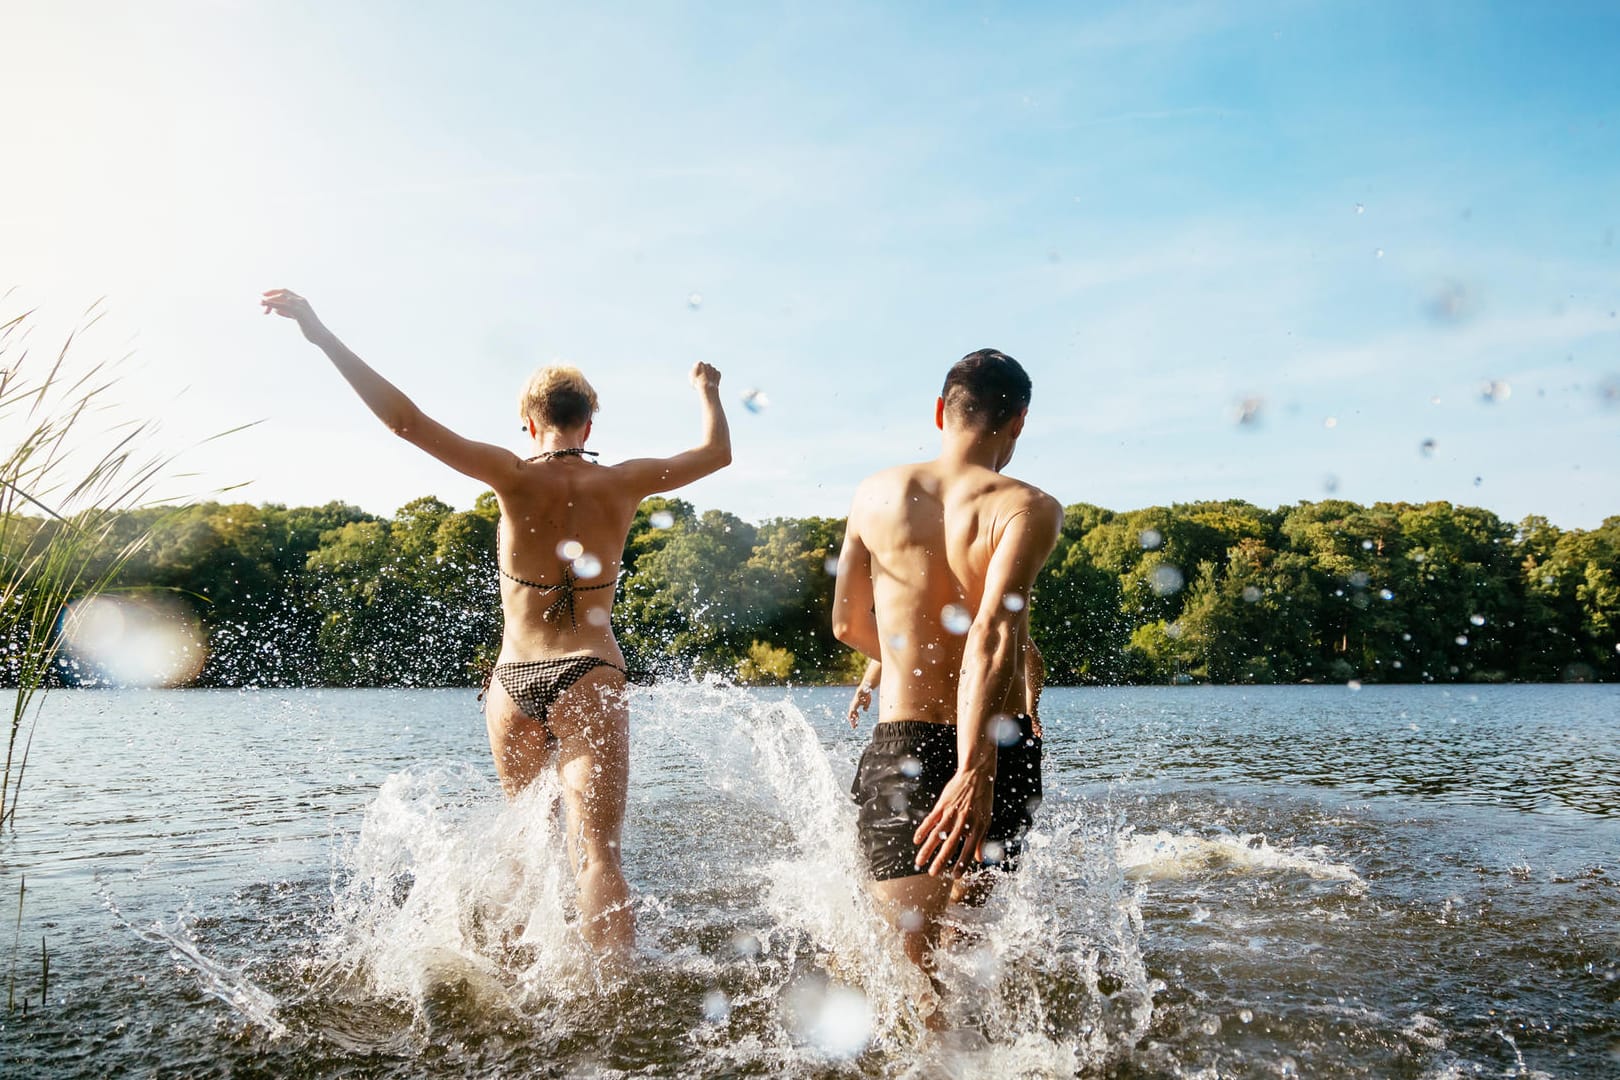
[[1223, 592]]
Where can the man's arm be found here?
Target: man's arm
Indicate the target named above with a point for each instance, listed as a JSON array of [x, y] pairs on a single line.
[[1034, 682], [949, 837], [649, 476], [863, 692], [481, 461], [854, 616]]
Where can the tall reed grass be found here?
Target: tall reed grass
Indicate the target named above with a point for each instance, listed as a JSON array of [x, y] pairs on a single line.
[[70, 464]]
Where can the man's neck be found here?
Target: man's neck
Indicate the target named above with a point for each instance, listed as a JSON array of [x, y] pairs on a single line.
[[961, 448]]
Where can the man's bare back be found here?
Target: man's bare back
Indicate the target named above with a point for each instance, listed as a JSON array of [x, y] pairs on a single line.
[[929, 531]]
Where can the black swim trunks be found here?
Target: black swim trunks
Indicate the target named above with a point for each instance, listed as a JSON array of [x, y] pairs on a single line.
[[905, 768]]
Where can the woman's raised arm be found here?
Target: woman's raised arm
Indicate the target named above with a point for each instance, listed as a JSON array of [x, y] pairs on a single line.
[[653, 475], [482, 461]]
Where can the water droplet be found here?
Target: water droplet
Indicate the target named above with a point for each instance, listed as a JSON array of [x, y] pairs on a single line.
[[1462, 639], [910, 766], [716, 1007], [695, 301], [897, 641], [1495, 390], [1246, 1016], [597, 617], [746, 946], [911, 920], [1386, 594], [1150, 539], [570, 550], [1167, 580], [1004, 729], [1379, 254], [917, 671], [1330, 483], [1360, 209], [1013, 602], [956, 619], [1426, 447], [661, 519], [1608, 391], [1331, 422], [1247, 412], [755, 401], [1353, 684], [587, 566], [1478, 480], [1477, 620], [993, 851], [1359, 579], [1251, 594]]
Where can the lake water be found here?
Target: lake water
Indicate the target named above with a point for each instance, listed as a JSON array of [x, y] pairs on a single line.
[[1311, 881]]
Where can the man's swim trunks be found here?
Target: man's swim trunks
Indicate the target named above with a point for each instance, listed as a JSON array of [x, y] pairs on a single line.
[[905, 768]]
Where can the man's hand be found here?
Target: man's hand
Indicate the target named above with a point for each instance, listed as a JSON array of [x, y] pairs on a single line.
[[287, 303], [862, 702], [956, 825], [706, 378]]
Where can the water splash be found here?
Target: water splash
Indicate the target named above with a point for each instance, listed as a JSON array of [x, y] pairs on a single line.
[[454, 904], [217, 980]]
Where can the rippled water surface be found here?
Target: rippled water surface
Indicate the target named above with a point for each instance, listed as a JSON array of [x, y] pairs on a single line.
[[1312, 881]]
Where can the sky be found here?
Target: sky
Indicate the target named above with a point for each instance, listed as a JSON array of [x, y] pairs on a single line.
[[1264, 251]]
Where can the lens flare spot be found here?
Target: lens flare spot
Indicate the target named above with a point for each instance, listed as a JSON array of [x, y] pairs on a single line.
[[716, 1007], [956, 619], [143, 641], [1166, 580], [1004, 729], [833, 1018]]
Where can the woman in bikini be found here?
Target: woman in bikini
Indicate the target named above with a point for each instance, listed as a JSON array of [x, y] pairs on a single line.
[[557, 694]]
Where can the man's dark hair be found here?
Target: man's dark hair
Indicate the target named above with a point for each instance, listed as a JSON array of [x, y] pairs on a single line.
[[986, 389]]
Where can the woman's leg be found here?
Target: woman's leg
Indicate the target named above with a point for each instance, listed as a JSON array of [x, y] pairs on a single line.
[[592, 723]]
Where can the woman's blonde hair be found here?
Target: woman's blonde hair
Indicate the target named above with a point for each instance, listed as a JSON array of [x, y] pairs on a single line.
[[557, 397]]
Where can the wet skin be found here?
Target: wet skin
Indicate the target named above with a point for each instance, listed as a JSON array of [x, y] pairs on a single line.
[[938, 562], [545, 505]]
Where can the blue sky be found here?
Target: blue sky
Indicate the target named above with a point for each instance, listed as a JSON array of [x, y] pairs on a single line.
[[1351, 216]]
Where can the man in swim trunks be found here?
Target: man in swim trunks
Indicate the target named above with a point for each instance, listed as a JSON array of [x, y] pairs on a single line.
[[557, 696], [934, 582]]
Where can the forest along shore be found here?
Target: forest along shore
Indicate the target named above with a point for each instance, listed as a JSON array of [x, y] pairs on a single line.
[[1222, 592]]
